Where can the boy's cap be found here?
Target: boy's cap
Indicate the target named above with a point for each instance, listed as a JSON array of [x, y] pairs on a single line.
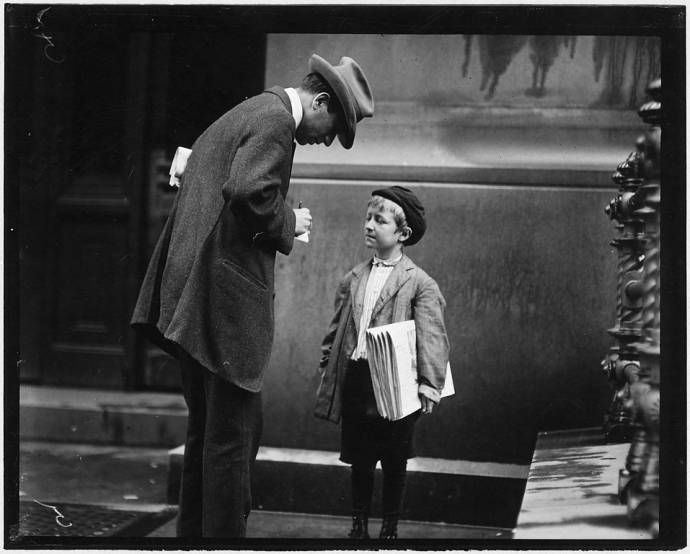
[[411, 206]]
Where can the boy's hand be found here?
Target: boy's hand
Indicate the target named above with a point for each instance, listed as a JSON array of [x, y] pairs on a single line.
[[302, 221], [427, 404]]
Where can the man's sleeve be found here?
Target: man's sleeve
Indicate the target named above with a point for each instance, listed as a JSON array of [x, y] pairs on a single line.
[[253, 187]]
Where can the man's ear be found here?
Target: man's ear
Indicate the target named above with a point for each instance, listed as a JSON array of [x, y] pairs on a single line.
[[322, 99]]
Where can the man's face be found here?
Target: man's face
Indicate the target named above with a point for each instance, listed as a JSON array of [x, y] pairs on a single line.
[[319, 126]]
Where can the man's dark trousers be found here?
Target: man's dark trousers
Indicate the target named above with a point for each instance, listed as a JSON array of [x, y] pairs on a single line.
[[223, 430]]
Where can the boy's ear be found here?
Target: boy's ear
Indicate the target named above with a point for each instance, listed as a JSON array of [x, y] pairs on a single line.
[[405, 234]]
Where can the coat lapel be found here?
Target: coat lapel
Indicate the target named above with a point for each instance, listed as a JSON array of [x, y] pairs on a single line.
[[358, 285], [398, 277], [285, 99]]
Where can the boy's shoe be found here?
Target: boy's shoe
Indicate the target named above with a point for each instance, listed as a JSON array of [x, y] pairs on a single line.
[[359, 527], [389, 528]]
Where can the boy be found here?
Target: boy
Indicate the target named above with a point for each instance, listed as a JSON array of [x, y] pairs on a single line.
[[386, 289]]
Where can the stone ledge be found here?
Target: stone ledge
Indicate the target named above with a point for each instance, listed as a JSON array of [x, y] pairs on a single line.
[[101, 417], [438, 490]]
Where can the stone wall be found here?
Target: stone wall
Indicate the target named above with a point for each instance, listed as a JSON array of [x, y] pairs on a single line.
[[514, 188]]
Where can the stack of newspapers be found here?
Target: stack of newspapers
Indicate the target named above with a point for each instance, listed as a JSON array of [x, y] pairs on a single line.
[[392, 354]]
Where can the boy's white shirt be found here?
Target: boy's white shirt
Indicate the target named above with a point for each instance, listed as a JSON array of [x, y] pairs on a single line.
[[380, 271]]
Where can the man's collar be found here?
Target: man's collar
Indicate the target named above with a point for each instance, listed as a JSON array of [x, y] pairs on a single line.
[[296, 105]]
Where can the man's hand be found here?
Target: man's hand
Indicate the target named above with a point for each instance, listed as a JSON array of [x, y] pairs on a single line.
[[302, 221], [427, 404]]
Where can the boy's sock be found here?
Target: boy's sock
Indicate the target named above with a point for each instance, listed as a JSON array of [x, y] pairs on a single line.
[[362, 487], [394, 473]]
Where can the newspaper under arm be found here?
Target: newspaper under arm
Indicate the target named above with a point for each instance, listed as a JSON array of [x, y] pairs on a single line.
[[178, 165]]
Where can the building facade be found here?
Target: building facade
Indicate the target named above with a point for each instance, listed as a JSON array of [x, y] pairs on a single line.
[[509, 140]]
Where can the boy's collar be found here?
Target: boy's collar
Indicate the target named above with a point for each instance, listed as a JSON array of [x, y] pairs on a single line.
[[377, 262], [364, 267]]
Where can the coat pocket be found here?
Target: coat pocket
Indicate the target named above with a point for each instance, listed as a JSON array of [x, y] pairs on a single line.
[[244, 274], [242, 322]]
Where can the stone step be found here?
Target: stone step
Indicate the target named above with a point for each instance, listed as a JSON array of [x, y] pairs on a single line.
[[437, 490], [285, 480], [101, 417]]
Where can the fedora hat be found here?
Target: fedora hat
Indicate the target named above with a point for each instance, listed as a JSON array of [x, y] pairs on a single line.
[[352, 89]]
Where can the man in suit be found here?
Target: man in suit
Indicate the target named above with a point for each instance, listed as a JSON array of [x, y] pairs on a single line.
[[207, 297]]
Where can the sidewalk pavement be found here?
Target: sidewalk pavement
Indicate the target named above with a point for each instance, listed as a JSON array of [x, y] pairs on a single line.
[[135, 479]]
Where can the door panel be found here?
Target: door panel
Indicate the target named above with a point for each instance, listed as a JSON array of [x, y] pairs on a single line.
[[96, 221]]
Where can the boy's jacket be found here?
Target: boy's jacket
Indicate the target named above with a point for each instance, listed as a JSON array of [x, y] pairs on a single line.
[[409, 293]]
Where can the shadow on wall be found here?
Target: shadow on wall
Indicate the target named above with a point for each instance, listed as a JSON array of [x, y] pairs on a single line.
[[609, 55], [558, 71]]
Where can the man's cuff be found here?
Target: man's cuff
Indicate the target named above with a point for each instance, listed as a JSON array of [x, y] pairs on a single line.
[[430, 392]]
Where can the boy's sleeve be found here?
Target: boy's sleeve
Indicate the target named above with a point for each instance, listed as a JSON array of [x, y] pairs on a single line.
[[432, 340], [327, 343], [253, 187]]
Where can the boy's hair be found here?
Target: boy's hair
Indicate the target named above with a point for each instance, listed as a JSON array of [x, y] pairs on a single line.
[[316, 84], [382, 203]]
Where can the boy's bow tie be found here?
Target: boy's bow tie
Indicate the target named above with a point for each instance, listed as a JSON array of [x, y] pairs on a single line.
[[378, 262]]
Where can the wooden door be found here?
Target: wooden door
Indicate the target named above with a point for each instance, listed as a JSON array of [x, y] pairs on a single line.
[[95, 112], [95, 228]]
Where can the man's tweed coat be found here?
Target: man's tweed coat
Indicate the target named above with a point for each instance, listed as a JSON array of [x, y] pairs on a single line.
[[209, 285]]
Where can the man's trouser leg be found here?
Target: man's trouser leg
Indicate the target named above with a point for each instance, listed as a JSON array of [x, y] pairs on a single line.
[[233, 425], [189, 521]]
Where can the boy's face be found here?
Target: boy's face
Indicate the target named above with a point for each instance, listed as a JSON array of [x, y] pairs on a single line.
[[380, 229]]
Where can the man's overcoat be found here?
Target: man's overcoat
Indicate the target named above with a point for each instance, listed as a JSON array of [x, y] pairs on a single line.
[[209, 285]]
